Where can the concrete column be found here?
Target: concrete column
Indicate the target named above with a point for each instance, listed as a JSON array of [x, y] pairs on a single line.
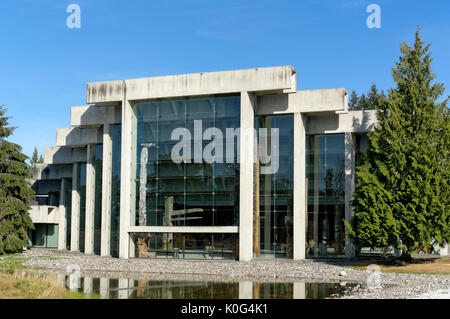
[[246, 154], [299, 290], [90, 200], [245, 290], [106, 191], [316, 184], [104, 288], [123, 288], [75, 213], [349, 187], [62, 230], [128, 175], [88, 287], [299, 186]]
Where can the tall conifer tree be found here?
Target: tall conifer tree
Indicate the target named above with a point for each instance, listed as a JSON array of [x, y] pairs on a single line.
[[15, 193], [402, 190]]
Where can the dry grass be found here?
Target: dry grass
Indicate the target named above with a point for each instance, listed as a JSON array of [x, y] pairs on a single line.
[[25, 285], [432, 266]]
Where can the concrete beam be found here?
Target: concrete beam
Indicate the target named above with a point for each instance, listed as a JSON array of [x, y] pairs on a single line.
[[77, 137], [306, 101], [183, 229], [75, 213], [299, 186], [246, 154], [49, 171], [127, 179], [90, 201], [91, 115], [105, 246], [279, 79], [62, 229], [63, 155], [353, 121]]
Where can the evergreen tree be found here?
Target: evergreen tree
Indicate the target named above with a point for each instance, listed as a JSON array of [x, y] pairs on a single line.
[[369, 102], [41, 159], [15, 193], [402, 191], [353, 102], [34, 157]]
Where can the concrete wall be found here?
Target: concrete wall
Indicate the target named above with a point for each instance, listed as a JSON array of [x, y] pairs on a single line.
[[44, 214]]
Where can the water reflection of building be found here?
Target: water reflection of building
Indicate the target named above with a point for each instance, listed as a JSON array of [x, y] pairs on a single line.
[[126, 288], [110, 186]]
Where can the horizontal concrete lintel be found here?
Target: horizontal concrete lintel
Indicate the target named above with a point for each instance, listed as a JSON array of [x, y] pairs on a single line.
[[64, 155], [305, 101], [91, 115], [183, 229], [51, 172], [351, 122], [282, 78], [76, 136]]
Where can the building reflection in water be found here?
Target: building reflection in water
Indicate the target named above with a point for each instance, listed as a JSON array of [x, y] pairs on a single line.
[[124, 288]]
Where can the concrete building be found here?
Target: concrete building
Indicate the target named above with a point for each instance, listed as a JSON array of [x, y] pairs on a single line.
[[112, 186]]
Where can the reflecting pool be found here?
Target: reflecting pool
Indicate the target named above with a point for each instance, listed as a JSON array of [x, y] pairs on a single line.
[[126, 288]]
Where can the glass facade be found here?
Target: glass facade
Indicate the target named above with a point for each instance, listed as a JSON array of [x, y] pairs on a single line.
[[98, 165], [187, 246], [116, 136], [198, 193], [325, 173], [275, 209]]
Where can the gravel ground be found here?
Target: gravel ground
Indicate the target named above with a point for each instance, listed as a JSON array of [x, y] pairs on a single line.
[[393, 286]]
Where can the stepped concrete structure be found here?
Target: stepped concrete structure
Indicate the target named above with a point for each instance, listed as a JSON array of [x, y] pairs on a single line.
[[111, 186]]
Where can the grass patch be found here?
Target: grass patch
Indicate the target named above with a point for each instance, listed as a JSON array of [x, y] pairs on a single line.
[[12, 262], [25, 285], [438, 266], [17, 282]]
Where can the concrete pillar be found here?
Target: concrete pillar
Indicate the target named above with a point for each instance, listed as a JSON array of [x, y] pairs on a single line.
[[104, 288], [90, 200], [106, 191], [123, 288], [349, 187], [246, 158], [128, 176], [245, 290], [75, 213], [316, 184], [62, 217], [299, 290], [299, 186], [88, 285]]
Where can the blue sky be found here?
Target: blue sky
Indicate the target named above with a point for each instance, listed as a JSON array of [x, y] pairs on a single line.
[[44, 65]]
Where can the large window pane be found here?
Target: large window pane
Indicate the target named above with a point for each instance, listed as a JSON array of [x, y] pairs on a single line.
[[276, 190], [185, 194], [325, 172]]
